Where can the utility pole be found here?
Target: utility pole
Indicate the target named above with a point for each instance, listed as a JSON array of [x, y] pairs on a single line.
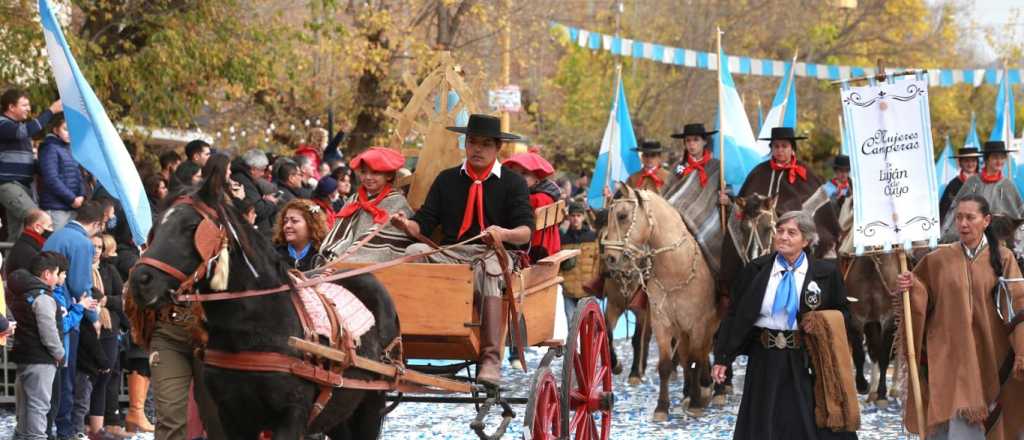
[[506, 60]]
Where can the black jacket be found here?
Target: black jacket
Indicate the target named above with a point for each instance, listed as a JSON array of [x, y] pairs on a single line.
[[32, 344], [308, 262], [577, 236], [748, 291], [266, 212], [113, 288], [506, 204], [25, 247], [91, 357]]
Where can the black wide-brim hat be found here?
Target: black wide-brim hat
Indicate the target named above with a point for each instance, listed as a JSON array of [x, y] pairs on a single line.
[[694, 130], [841, 161], [992, 147], [484, 126], [649, 147], [783, 133], [967, 153]]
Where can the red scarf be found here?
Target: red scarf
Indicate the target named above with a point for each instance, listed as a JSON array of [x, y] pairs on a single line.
[[794, 168], [962, 176], [35, 236], [990, 178], [650, 174], [841, 187], [370, 206], [474, 200], [698, 166]]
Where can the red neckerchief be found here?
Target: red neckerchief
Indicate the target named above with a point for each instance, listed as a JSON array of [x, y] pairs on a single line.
[[841, 187], [650, 174], [35, 236], [474, 200], [990, 178], [698, 166], [370, 206], [794, 169], [962, 176]]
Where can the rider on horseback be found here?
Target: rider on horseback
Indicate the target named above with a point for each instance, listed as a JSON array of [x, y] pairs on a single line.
[[652, 176], [1000, 192]]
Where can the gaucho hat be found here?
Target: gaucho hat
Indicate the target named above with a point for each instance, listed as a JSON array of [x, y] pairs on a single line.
[[967, 153], [693, 130], [992, 147], [783, 133], [650, 147], [484, 126], [841, 161]]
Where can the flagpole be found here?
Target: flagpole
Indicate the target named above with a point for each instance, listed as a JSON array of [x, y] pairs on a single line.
[[789, 88], [721, 135], [615, 106]]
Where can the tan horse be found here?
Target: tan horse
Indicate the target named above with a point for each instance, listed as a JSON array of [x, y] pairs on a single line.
[[645, 233]]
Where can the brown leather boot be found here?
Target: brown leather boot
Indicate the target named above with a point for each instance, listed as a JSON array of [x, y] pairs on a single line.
[[135, 419], [491, 319], [595, 286]]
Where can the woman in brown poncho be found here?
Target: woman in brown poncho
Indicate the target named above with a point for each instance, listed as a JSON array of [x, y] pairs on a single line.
[[971, 382]]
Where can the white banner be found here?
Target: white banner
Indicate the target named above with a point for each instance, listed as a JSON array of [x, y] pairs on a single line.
[[888, 131]]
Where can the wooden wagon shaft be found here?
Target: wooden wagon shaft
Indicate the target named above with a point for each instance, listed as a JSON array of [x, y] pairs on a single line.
[[380, 367]]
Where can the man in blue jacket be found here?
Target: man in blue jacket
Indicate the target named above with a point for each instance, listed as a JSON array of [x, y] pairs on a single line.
[[74, 243], [61, 187], [17, 161]]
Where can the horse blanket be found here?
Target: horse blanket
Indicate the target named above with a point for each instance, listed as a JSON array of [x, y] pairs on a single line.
[[698, 205]]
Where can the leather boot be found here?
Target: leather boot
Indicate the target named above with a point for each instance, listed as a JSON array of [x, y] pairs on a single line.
[[491, 319], [135, 419], [595, 286]]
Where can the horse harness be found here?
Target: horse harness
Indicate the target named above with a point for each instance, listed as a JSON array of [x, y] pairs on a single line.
[[641, 258], [325, 373]]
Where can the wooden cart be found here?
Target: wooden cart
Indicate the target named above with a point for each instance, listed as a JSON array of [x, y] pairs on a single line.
[[440, 322]]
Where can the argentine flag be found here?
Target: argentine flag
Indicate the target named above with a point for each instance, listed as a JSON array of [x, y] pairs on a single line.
[[618, 158], [972, 140], [946, 167], [736, 139], [783, 111], [95, 143]]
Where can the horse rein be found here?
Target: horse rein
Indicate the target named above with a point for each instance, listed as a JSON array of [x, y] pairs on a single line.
[[207, 239], [641, 257]]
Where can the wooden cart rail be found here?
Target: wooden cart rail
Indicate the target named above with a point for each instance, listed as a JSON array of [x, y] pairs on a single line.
[[383, 369]]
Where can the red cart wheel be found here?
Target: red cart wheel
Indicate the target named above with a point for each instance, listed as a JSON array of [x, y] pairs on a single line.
[[544, 410], [587, 396]]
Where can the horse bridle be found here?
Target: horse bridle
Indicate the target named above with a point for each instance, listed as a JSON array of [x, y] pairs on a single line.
[[641, 257], [208, 238]]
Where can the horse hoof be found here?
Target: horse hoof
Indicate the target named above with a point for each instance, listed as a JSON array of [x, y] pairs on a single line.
[[660, 416], [718, 400], [634, 381], [518, 365], [694, 412], [872, 396], [882, 404], [706, 392], [685, 403], [617, 369]]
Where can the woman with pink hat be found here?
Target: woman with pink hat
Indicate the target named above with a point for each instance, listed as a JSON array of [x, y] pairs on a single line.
[[369, 208], [536, 170]]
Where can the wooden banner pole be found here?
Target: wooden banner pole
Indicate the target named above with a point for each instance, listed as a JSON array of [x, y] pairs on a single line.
[[908, 326], [721, 136]]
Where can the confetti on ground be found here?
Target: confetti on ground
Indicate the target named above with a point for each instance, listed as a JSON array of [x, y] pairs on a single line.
[[634, 407]]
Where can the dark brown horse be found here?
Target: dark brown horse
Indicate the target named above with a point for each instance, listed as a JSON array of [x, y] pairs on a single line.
[[251, 402]]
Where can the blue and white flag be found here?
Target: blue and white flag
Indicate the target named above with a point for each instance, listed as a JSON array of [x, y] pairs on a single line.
[[783, 111], [1003, 129], [618, 158], [95, 143], [735, 138], [972, 140], [946, 167]]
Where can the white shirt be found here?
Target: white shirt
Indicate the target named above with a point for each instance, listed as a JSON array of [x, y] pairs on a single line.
[[780, 321], [495, 170]]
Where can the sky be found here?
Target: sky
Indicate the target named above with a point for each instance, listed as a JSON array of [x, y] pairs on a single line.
[[994, 13]]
